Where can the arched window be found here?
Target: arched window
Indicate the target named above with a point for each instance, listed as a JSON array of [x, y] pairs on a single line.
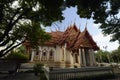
[[44, 55], [37, 52], [51, 55], [36, 56], [51, 52]]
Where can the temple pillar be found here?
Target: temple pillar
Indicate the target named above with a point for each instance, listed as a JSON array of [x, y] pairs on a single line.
[[59, 56], [64, 55], [91, 57], [47, 56], [84, 60], [40, 55], [80, 57], [32, 56], [68, 59]]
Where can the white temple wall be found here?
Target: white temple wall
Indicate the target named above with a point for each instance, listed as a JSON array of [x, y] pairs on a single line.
[[63, 57], [40, 53], [68, 56], [93, 57], [72, 58], [58, 54], [69, 59], [64, 53], [76, 59], [80, 57]]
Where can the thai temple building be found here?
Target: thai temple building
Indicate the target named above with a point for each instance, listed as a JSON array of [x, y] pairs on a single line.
[[69, 48]]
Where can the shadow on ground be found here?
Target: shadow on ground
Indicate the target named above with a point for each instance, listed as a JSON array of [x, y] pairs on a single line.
[[19, 76]]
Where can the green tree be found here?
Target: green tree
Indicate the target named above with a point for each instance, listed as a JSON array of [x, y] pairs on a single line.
[[20, 20], [116, 55], [104, 12], [103, 56]]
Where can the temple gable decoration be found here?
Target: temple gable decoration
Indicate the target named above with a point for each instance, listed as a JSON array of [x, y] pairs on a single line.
[[74, 38]]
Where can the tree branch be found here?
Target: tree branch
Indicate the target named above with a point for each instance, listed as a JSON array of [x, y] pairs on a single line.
[[11, 25], [1, 12], [8, 49], [17, 11], [2, 51], [5, 42]]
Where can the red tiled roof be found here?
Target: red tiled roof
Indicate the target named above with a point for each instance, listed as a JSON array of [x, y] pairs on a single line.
[[85, 40], [69, 35], [55, 38], [74, 38]]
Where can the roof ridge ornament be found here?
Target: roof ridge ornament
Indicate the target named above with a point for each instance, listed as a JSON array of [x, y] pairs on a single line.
[[86, 26]]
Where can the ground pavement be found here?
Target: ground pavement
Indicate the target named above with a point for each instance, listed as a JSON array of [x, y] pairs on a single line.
[[31, 76], [20, 76]]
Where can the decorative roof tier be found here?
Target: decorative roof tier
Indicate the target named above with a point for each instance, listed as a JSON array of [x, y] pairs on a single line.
[[55, 38], [85, 40], [74, 39]]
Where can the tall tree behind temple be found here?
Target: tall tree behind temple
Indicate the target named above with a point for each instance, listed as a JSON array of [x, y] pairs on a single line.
[[103, 56], [116, 55]]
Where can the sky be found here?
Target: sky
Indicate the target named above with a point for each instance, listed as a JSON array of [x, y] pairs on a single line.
[[71, 17]]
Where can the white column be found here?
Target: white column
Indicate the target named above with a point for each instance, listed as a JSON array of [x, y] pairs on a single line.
[[47, 55], [80, 56], [65, 52], [32, 56], [91, 57], [40, 55], [84, 60], [58, 54]]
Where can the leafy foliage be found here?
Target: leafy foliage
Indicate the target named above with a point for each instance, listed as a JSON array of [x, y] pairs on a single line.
[[38, 67], [116, 55], [104, 56], [88, 8], [105, 12], [19, 19], [17, 56]]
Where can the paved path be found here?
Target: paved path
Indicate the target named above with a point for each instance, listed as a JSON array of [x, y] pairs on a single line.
[[20, 76], [30, 76]]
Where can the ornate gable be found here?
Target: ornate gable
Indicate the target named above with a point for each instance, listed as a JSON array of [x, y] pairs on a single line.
[[85, 40], [56, 36], [74, 38], [69, 36]]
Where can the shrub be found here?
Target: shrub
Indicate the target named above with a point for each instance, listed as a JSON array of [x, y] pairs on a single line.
[[17, 56], [38, 67]]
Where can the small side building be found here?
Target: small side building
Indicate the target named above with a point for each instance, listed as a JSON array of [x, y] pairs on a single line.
[[70, 48]]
